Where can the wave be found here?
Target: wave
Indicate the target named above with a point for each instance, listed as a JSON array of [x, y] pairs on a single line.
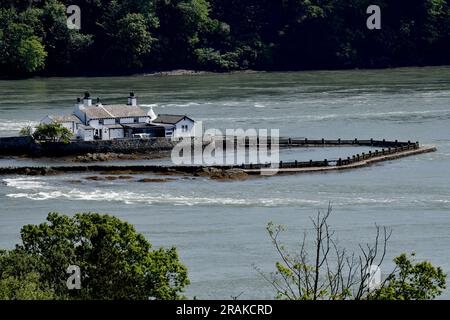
[[26, 183], [390, 115], [180, 105], [15, 125], [131, 198], [41, 189], [158, 199]]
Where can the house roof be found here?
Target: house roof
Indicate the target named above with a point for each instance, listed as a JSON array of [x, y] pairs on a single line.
[[170, 118], [113, 126], [65, 118], [140, 125], [114, 111], [82, 126]]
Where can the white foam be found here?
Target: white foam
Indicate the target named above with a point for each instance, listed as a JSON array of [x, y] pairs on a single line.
[[15, 125], [149, 198], [180, 105], [26, 183]]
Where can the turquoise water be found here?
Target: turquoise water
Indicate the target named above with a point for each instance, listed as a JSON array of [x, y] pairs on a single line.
[[219, 227]]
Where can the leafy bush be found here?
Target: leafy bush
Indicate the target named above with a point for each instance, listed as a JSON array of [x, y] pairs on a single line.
[[54, 132], [115, 262]]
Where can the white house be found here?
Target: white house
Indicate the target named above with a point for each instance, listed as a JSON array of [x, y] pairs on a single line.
[[182, 125], [70, 121], [107, 122]]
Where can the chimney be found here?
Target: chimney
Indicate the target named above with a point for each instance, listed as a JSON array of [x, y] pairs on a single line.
[[132, 100], [87, 101], [79, 110], [98, 104], [79, 105]]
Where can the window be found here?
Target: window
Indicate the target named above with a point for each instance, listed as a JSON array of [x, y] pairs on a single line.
[[136, 120], [100, 121]]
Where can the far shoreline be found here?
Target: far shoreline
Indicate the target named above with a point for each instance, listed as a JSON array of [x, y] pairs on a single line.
[[199, 72]]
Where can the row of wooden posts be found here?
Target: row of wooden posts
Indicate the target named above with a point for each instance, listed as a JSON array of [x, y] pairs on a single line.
[[293, 142], [389, 147]]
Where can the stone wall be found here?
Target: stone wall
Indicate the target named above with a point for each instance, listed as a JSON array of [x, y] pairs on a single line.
[[26, 146], [15, 145]]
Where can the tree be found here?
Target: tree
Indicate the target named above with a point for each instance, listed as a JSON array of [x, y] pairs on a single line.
[[26, 131], [20, 50], [411, 281], [54, 132], [328, 272], [133, 31], [115, 261], [18, 280]]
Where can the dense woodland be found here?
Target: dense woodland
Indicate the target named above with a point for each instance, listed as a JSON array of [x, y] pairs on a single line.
[[129, 36]]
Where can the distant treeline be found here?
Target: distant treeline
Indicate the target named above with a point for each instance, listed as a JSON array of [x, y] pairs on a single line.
[[119, 37]]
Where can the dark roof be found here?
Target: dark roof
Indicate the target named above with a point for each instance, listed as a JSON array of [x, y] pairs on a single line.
[[82, 126], [113, 111], [65, 118], [113, 126], [138, 125], [170, 118]]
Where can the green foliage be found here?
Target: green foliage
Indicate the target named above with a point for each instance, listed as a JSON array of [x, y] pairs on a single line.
[[54, 132], [134, 40], [26, 131], [115, 261], [419, 281], [324, 271], [18, 280], [20, 50], [222, 35]]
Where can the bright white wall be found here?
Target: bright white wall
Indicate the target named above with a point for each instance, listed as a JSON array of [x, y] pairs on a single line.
[[126, 120], [116, 133], [178, 128]]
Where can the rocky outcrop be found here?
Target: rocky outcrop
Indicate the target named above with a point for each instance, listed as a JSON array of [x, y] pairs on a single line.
[[222, 174]]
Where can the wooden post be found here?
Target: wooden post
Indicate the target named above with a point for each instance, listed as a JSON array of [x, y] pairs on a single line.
[[371, 141], [339, 141], [323, 141]]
